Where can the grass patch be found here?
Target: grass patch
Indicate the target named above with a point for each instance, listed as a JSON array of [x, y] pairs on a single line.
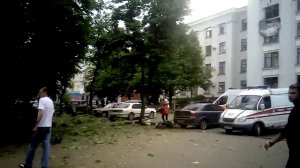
[[72, 129]]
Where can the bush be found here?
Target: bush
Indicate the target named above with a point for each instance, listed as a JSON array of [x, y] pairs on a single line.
[[59, 127], [198, 98], [81, 125]]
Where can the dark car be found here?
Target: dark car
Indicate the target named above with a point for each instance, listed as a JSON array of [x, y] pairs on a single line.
[[198, 114]]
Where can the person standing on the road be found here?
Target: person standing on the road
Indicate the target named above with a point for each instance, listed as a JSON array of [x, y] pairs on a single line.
[[165, 110], [42, 130], [291, 129]]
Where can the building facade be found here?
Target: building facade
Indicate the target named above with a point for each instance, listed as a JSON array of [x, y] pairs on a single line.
[[252, 46], [223, 38], [273, 42]]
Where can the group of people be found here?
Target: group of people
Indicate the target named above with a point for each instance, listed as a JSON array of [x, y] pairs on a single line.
[[42, 128]]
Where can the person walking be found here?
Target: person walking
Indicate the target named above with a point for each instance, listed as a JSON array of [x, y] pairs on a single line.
[[165, 109], [290, 132], [41, 130]]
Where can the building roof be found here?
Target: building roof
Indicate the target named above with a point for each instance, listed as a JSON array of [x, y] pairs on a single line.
[[220, 14]]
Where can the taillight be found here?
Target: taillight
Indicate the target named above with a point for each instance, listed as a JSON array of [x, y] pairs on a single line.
[[193, 114]]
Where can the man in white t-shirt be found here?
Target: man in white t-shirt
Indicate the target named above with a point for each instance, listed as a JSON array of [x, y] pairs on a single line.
[[42, 130]]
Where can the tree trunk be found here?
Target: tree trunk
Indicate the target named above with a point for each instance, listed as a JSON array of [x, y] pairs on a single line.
[[171, 94], [61, 101], [142, 92], [92, 87]]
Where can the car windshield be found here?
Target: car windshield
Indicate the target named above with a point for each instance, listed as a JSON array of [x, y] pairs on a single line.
[[245, 102], [122, 105], [109, 105], [193, 107]]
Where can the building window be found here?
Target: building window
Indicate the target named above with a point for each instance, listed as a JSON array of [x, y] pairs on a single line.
[[298, 29], [271, 39], [244, 24], [207, 88], [208, 50], [208, 66], [298, 55], [271, 59], [243, 65], [243, 44], [222, 28], [272, 82], [243, 84], [272, 11], [222, 67], [298, 5], [222, 47], [208, 32], [221, 87]]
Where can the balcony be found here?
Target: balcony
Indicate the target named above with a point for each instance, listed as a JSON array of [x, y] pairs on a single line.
[[270, 27]]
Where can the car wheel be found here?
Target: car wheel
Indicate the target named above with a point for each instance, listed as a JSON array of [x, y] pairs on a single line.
[[105, 114], [151, 115], [228, 131], [112, 118], [183, 126], [203, 124], [257, 129], [131, 116]]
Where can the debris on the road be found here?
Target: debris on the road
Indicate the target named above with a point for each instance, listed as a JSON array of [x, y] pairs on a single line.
[[195, 162], [230, 149], [150, 154], [98, 161], [196, 144]]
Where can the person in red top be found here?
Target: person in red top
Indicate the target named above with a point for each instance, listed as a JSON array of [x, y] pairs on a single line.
[[165, 108]]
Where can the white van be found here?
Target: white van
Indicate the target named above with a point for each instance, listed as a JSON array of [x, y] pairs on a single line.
[[257, 109], [228, 96]]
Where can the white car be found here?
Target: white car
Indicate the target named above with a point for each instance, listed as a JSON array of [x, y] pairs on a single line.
[[130, 111], [104, 110]]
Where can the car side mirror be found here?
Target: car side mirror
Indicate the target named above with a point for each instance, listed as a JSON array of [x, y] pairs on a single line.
[[262, 106]]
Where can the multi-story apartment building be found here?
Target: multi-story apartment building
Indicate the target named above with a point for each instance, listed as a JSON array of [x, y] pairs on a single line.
[[223, 38], [273, 42], [250, 46]]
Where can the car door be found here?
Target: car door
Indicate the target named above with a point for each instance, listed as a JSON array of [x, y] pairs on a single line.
[[136, 109], [212, 112], [204, 112], [215, 113]]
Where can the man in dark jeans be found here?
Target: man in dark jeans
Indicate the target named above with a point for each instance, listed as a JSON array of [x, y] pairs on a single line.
[[41, 131], [291, 129]]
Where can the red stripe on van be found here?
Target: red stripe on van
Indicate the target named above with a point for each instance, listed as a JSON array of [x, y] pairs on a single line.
[[262, 112], [286, 113], [274, 112]]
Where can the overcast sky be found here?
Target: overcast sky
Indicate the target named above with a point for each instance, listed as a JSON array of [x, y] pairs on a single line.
[[203, 8]]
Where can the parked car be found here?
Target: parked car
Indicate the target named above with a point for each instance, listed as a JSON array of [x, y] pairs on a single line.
[[104, 110], [133, 101], [130, 111], [198, 114]]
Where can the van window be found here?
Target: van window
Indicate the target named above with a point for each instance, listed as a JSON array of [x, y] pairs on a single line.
[[245, 102], [281, 100], [222, 100], [266, 101]]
